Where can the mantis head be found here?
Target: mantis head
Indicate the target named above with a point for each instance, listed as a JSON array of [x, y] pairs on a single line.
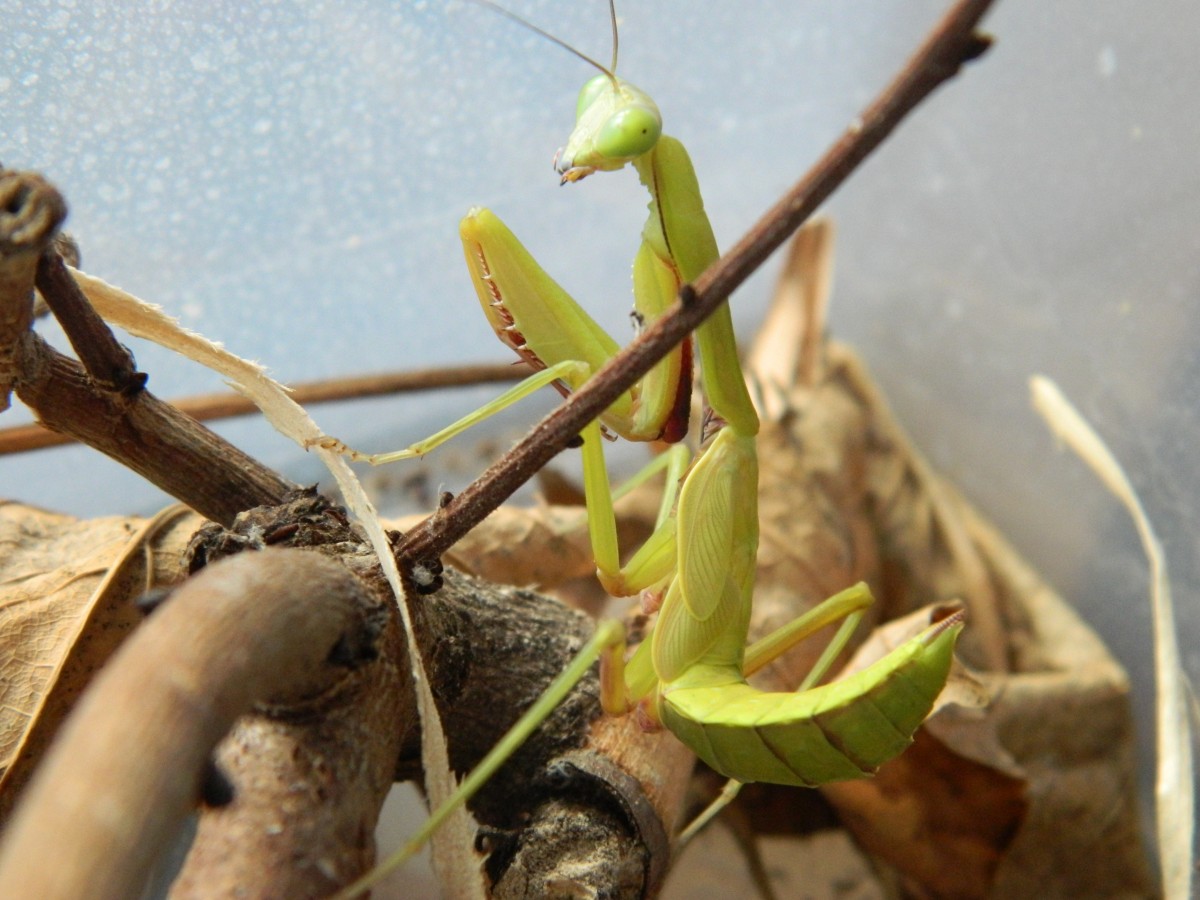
[[615, 123]]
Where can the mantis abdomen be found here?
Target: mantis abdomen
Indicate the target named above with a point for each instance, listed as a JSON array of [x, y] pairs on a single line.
[[830, 733]]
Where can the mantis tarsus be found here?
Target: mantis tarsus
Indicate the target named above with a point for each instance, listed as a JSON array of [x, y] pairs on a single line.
[[690, 673]]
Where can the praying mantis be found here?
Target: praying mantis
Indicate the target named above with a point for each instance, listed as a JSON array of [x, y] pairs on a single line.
[[690, 674]]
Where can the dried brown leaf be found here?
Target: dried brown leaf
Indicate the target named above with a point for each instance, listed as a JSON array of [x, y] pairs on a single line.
[[997, 802], [66, 592], [949, 818]]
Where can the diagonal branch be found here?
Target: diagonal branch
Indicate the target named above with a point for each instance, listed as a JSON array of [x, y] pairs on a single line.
[[952, 42]]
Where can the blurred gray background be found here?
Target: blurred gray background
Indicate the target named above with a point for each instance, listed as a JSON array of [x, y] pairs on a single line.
[[287, 178]]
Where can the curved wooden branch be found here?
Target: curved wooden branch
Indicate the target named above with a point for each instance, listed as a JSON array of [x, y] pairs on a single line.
[[194, 465], [562, 809], [284, 627]]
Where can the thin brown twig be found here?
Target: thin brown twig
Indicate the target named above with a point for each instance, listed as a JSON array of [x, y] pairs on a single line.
[[952, 42], [146, 435], [105, 405], [226, 404], [109, 364]]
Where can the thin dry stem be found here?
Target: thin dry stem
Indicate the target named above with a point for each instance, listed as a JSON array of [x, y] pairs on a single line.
[[225, 405], [31, 210]]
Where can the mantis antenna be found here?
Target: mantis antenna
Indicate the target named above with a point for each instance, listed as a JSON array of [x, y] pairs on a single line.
[[610, 71]]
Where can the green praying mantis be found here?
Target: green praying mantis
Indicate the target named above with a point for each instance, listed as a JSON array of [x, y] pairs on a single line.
[[690, 673]]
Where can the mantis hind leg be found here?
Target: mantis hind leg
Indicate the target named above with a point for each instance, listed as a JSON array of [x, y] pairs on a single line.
[[848, 604], [728, 794]]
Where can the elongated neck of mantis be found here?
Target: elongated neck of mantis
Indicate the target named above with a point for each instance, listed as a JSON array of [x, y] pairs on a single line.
[[679, 231]]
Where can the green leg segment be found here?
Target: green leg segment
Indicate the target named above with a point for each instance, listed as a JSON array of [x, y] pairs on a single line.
[[573, 373]]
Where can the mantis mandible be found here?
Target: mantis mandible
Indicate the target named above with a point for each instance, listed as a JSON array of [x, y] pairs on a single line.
[[690, 673]]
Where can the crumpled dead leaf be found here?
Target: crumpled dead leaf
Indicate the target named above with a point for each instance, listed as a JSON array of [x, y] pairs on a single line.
[[67, 588], [1003, 801]]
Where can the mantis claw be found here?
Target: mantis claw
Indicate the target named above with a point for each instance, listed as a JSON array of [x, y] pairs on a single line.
[[325, 442], [646, 719]]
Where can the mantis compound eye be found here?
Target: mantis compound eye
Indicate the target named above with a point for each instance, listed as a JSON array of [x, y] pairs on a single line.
[[629, 133]]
